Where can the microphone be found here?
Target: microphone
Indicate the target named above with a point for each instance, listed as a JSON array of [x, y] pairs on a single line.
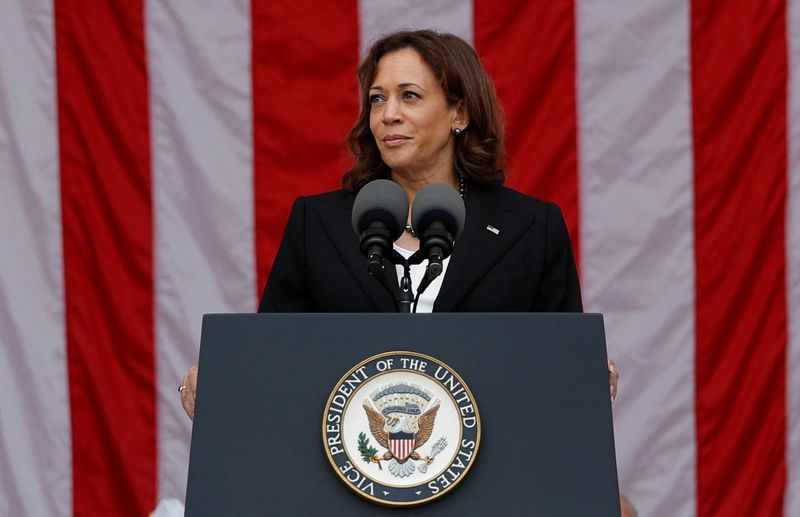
[[437, 218], [378, 218]]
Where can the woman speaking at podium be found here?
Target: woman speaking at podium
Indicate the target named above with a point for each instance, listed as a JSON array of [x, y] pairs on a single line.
[[429, 114]]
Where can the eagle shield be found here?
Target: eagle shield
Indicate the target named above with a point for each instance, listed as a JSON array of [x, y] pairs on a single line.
[[401, 445]]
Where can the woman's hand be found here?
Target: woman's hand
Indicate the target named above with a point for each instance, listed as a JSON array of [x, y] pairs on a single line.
[[187, 390], [613, 379]]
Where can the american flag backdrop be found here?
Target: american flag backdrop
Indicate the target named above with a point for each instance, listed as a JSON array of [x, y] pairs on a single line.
[[150, 151]]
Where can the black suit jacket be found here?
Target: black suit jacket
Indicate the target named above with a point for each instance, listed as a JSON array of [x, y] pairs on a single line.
[[527, 267]]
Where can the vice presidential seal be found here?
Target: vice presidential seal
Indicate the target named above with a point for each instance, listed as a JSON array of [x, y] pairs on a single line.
[[401, 428]]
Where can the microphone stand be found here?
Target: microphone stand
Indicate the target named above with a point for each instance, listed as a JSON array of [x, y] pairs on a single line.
[[404, 298], [401, 293], [408, 299]]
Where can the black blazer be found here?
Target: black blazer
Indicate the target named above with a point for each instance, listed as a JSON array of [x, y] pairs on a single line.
[[527, 267]]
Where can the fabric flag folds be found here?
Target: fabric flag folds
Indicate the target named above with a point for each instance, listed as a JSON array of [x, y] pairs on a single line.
[[150, 151]]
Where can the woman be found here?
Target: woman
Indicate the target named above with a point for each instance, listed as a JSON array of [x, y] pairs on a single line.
[[429, 114]]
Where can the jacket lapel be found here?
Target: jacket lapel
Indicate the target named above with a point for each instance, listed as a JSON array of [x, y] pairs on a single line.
[[479, 248], [335, 219]]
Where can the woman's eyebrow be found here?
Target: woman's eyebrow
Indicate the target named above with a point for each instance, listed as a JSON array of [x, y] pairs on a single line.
[[401, 85]]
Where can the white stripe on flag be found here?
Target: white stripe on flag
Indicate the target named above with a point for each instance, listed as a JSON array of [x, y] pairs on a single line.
[[792, 502], [636, 235], [378, 17], [35, 445], [201, 124]]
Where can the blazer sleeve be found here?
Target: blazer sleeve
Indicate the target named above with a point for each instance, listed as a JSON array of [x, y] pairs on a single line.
[[287, 287], [559, 288]]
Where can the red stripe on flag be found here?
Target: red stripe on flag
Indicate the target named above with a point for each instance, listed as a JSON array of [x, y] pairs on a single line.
[[305, 100], [107, 231], [529, 50], [739, 74]]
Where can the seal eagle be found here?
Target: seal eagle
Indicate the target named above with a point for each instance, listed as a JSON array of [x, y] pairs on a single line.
[[387, 430]]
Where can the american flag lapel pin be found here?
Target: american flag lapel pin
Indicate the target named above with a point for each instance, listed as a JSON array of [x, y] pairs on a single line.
[[492, 229]]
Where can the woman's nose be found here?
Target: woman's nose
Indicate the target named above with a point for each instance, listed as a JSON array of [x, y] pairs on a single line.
[[392, 113]]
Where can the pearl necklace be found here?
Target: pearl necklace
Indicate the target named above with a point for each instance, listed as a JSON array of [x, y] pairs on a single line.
[[462, 191]]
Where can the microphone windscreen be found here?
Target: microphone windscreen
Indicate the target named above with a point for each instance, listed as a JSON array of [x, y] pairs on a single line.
[[438, 202], [384, 201]]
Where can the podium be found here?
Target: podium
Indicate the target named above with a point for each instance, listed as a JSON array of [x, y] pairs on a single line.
[[540, 382]]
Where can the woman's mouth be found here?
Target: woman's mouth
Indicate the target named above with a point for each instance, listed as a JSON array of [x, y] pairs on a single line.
[[395, 140]]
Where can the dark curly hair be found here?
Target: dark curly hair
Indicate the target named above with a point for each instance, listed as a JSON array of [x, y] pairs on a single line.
[[478, 150]]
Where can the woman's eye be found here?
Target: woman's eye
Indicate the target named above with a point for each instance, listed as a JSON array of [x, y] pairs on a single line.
[[374, 99], [410, 95]]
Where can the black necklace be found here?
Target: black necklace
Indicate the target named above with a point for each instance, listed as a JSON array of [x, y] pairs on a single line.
[[462, 191]]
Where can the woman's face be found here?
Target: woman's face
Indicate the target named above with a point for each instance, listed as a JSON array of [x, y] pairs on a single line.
[[409, 116]]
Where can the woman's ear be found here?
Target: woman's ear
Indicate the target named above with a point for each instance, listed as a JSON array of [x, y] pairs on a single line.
[[462, 117]]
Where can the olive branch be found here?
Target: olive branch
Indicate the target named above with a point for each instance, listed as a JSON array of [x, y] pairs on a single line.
[[368, 452]]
